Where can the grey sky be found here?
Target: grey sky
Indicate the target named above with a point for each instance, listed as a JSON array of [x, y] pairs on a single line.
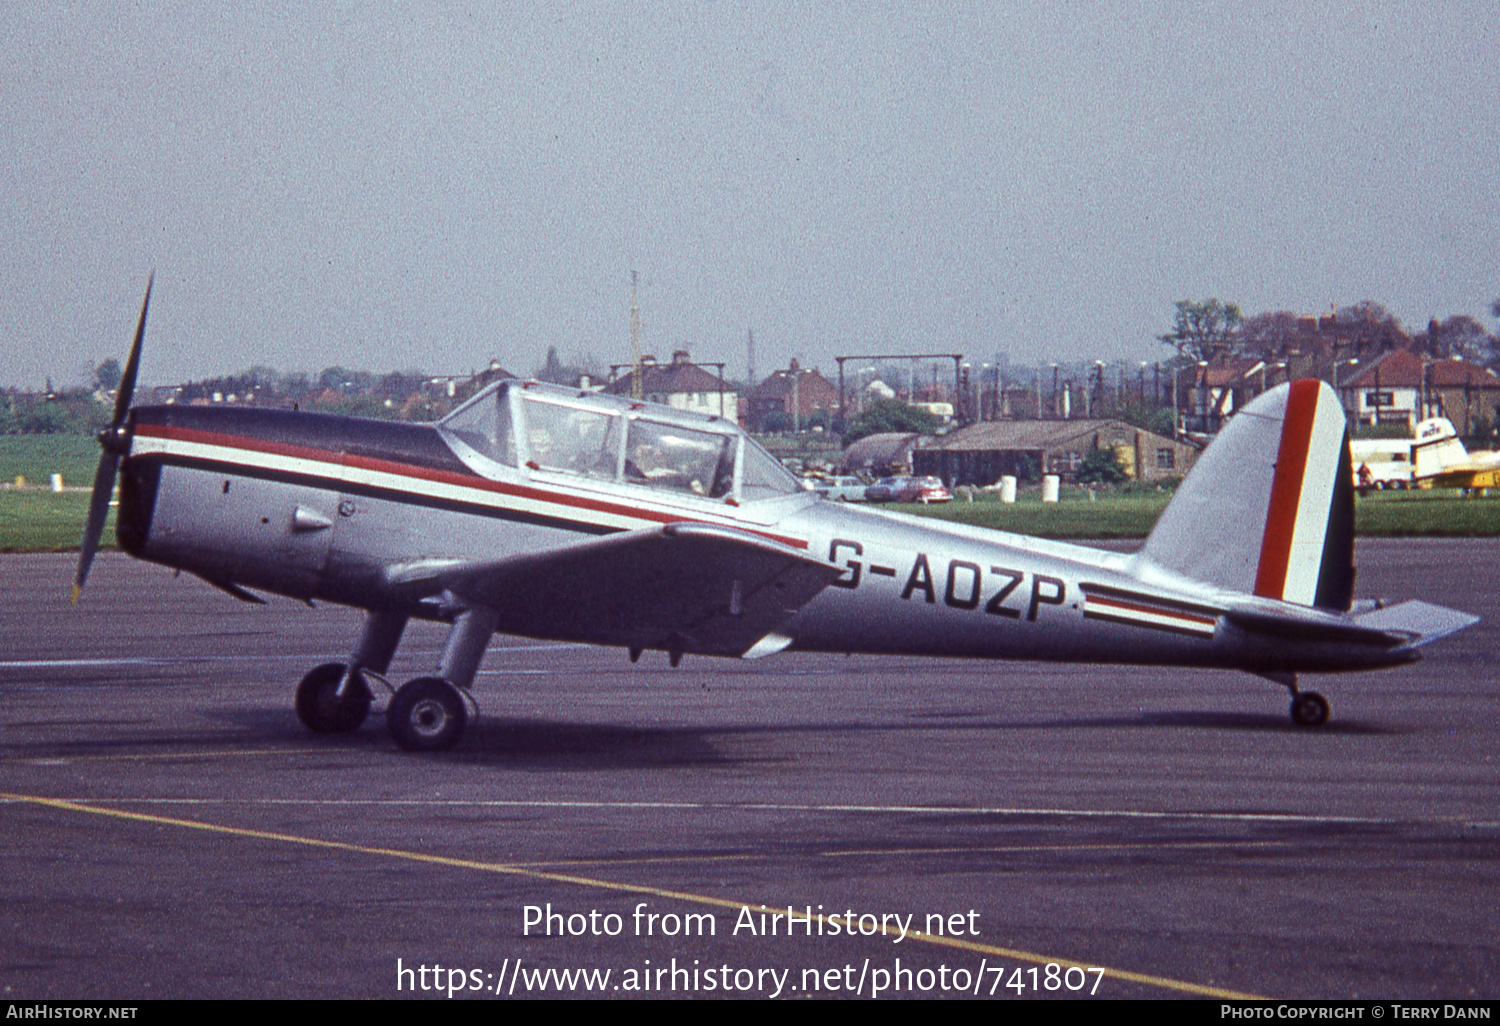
[[389, 187]]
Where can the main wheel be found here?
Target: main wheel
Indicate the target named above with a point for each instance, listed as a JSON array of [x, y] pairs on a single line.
[[322, 710], [1309, 709], [427, 715]]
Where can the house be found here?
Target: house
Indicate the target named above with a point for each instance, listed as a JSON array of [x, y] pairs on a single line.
[[1465, 393], [682, 385], [459, 386], [795, 393], [1387, 390], [1221, 388], [1403, 387]]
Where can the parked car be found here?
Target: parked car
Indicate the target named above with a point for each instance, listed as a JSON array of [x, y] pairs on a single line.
[[882, 491], [841, 489], [923, 490], [908, 489]]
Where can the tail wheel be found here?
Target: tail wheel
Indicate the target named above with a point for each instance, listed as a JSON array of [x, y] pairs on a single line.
[[427, 715], [320, 707], [1309, 709]]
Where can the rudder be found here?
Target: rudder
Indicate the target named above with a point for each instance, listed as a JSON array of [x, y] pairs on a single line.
[[1269, 507]]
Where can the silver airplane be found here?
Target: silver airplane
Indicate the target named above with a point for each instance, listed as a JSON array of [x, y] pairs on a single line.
[[573, 516]]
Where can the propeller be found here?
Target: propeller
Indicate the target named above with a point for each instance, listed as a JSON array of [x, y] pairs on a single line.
[[115, 441]]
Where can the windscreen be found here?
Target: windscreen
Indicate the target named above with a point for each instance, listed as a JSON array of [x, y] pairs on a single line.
[[483, 424], [764, 476]]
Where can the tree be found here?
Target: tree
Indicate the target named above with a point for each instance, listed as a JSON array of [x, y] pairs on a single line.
[[890, 415], [776, 422], [1370, 330], [553, 370], [1151, 416], [1101, 466], [1272, 336], [108, 374], [1206, 330], [44, 419], [345, 381], [1460, 336]]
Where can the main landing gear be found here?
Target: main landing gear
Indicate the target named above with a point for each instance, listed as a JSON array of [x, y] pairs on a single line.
[[327, 704], [427, 714]]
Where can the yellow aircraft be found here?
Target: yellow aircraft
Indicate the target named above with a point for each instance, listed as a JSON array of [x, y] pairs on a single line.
[[1439, 460]]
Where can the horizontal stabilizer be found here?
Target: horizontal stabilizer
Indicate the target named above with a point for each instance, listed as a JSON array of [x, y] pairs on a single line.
[[1423, 621], [1289, 627]]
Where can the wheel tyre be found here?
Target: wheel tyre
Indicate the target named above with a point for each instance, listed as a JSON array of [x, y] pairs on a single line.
[[1309, 709], [427, 715], [319, 706]]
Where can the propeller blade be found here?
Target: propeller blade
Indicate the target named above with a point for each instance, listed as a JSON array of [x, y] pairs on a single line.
[[104, 487], [112, 439], [132, 362]]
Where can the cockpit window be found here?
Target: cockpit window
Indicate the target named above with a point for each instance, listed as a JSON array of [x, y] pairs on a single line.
[[764, 477], [572, 439], [668, 456], [483, 423], [607, 439]]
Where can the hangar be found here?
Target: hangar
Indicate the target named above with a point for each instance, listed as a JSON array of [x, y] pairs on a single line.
[[981, 453]]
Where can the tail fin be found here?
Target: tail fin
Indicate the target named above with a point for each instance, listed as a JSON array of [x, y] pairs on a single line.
[[1437, 448], [1269, 507]]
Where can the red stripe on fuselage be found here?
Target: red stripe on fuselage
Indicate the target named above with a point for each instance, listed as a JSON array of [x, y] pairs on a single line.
[[1286, 489], [408, 470]]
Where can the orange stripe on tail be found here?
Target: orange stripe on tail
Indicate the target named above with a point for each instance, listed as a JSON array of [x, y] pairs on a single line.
[[1286, 489]]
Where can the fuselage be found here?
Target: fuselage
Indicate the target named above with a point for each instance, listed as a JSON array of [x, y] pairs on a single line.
[[323, 507]]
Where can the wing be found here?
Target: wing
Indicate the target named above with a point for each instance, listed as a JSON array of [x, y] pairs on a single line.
[[686, 587]]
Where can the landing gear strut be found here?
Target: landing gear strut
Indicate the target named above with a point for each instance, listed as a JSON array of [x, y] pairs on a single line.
[[335, 698], [427, 714]]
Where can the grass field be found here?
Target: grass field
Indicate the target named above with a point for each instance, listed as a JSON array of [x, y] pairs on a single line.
[[1440, 512], [39, 521], [36, 520], [38, 457]]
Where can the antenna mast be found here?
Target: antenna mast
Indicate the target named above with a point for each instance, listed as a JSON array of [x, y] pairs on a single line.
[[635, 341]]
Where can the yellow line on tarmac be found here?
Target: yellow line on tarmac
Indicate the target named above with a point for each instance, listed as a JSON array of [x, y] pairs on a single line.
[[1165, 983], [63, 760]]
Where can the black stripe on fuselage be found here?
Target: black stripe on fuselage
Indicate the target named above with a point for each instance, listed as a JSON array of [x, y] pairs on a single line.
[[394, 441], [407, 498]]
